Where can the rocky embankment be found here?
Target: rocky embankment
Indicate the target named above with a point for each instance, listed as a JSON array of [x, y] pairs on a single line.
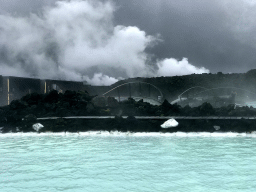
[[21, 114]]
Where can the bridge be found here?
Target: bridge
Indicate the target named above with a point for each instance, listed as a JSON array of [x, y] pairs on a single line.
[[217, 96], [193, 96], [137, 90]]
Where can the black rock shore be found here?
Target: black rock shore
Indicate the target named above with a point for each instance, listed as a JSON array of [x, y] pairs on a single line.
[[21, 114]]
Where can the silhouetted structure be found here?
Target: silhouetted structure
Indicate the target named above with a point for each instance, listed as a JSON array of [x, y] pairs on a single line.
[[12, 88]]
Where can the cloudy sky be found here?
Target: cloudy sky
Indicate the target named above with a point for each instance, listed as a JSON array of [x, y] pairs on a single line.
[[103, 41]]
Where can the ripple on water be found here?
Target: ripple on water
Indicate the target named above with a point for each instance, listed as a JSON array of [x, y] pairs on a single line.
[[103, 161]]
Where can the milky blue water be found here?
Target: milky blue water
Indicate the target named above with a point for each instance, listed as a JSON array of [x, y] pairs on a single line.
[[92, 162]]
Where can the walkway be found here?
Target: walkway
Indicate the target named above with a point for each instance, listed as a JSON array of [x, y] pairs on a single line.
[[153, 117]]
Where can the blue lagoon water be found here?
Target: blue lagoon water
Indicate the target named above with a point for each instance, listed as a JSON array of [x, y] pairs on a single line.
[[101, 161]]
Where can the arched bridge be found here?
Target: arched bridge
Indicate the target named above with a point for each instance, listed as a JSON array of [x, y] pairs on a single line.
[[186, 94], [137, 90], [218, 96]]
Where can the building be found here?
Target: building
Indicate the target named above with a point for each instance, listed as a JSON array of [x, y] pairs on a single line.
[[12, 88]]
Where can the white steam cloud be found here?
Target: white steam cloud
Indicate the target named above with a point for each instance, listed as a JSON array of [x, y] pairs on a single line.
[[171, 67], [100, 79], [76, 40]]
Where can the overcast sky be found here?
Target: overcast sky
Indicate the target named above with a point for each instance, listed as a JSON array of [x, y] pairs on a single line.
[[219, 35], [158, 37]]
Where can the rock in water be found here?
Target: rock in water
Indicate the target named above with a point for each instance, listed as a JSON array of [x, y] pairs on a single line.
[[170, 123], [37, 126]]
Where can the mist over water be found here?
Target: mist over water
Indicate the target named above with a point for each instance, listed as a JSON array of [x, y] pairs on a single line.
[[77, 40]]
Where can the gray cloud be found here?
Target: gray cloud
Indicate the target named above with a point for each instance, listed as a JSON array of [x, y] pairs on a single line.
[[77, 40], [24, 7], [218, 35]]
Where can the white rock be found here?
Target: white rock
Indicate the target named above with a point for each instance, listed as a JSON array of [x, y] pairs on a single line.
[[170, 123], [216, 127], [37, 126]]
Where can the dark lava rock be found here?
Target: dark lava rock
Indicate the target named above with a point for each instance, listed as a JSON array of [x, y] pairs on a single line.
[[169, 109], [112, 102], [99, 102], [166, 104], [73, 103], [70, 94], [90, 107], [52, 97], [18, 104], [32, 99], [206, 109], [30, 118]]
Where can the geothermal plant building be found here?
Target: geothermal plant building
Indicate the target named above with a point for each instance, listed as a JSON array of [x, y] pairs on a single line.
[[12, 88]]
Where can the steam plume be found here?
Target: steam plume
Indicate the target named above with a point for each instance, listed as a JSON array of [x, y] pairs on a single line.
[[76, 40], [170, 67]]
